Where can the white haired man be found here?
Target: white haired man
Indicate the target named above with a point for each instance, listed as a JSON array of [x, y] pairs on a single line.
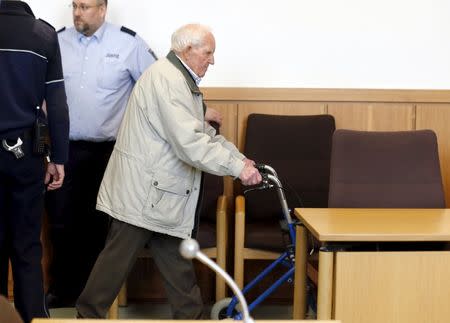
[[101, 63], [152, 184]]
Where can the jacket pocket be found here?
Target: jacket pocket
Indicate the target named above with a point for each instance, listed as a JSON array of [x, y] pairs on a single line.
[[167, 199]]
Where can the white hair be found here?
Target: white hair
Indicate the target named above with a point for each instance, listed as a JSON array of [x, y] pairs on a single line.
[[189, 35]]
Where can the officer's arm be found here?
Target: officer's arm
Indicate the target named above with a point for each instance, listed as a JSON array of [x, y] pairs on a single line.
[[57, 110], [142, 58]]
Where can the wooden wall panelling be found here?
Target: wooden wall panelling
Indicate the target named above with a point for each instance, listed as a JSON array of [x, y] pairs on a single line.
[[373, 116], [276, 108], [437, 117], [325, 95]]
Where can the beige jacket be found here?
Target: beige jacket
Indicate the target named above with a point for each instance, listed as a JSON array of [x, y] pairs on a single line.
[[153, 176]]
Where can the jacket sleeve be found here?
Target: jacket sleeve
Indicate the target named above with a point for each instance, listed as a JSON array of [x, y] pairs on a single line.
[[57, 110], [223, 141], [186, 134]]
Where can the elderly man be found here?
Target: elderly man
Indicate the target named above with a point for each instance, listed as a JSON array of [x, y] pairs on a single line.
[[152, 184], [101, 64]]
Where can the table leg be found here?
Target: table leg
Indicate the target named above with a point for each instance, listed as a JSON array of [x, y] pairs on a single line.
[[299, 306], [325, 285]]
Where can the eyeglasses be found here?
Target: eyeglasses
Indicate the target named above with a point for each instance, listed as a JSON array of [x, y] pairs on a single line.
[[83, 7]]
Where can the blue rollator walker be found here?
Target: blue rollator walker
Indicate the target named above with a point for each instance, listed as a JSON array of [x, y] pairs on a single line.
[[229, 307]]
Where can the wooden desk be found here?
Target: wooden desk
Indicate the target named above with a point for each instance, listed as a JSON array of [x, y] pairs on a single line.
[[381, 286], [169, 321]]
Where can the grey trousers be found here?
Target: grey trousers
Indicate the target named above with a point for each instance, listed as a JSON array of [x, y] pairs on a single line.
[[114, 263]]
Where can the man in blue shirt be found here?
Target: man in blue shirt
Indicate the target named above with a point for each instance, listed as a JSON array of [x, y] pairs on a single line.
[[101, 64], [31, 72]]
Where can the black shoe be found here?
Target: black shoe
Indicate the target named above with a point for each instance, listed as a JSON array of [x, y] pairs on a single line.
[[54, 301]]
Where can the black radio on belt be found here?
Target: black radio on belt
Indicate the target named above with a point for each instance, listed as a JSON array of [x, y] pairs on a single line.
[[40, 136]]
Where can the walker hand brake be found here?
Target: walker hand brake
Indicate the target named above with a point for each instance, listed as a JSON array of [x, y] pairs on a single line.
[[263, 186]]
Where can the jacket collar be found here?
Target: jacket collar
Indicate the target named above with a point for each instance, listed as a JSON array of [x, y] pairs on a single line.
[[172, 57], [17, 8]]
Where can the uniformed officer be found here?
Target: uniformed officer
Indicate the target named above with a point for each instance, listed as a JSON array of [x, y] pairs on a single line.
[[101, 64], [31, 73]]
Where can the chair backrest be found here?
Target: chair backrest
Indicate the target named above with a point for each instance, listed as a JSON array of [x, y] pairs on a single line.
[[385, 170], [212, 189], [299, 149]]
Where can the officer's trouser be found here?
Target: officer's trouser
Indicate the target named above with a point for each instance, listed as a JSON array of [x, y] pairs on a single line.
[[114, 263], [21, 208], [77, 230]]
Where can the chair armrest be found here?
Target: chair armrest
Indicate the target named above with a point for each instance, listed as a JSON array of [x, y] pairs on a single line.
[[222, 223], [222, 230], [239, 240], [239, 221]]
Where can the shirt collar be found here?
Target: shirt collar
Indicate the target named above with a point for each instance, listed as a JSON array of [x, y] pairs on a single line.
[[98, 34], [196, 78]]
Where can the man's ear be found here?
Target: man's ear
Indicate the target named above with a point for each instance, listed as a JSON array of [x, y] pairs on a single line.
[[188, 49], [103, 9], [186, 53]]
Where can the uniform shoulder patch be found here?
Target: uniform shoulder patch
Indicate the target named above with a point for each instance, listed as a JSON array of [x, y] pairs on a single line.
[[61, 30], [128, 31], [153, 54], [47, 23]]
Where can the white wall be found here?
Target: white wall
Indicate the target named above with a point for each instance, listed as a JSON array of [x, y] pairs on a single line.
[[402, 44]]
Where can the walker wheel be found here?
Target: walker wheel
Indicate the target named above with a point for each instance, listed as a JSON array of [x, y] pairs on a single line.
[[219, 310]]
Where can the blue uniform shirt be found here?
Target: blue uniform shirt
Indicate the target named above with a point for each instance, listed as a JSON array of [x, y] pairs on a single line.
[[100, 72]]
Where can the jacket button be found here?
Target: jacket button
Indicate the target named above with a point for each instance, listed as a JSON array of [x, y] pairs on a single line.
[[155, 183], [187, 192]]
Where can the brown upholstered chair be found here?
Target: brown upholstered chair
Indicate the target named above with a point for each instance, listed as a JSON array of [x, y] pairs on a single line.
[[369, 169], [298, 148], [385, 170], [396, 169]]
